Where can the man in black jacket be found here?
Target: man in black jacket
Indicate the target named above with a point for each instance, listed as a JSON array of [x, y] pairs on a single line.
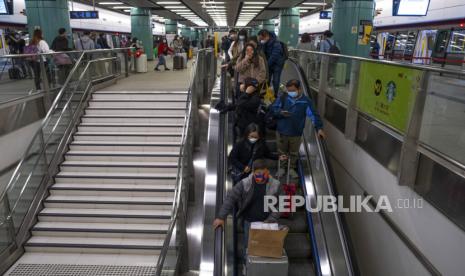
[[61, 43]]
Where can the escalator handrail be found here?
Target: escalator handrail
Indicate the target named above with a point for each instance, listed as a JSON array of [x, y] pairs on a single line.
[[186, 131], [330, 179]]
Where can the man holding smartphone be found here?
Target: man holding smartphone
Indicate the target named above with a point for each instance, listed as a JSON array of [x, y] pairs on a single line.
[[291, 116]]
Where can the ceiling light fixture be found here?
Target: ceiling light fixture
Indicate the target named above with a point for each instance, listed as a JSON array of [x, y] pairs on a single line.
[[169, 3], [252, 7], [110, 3], [175, 7], [314, 4], [255, 3], [121, 7]]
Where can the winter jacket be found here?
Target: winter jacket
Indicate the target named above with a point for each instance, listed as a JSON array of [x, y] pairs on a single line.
[[246, 109], [163, 49], [177, 45], [235, 50], [242, 152], [84, 43], [274, 53], [60, 44], [299, 108], [242, 193], [246, 69]]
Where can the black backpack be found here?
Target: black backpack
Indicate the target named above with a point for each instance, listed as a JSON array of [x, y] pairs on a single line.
[[267, 116], [285, 50], [333, 49]]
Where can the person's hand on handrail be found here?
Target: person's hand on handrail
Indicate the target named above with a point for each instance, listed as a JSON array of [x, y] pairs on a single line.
[[218, 223], [321, 134]]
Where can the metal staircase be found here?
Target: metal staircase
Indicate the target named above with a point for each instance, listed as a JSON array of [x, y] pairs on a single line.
[[115, 189], [102, 188]]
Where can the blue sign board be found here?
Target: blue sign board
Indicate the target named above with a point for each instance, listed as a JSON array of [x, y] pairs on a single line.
[[326, 14], [83, 14]]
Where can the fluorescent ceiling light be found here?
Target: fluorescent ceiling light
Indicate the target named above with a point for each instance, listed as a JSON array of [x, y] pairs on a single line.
[[211, 2], [314, 4], [110, 3], [252, 7], [120, 7], [180, 10], [127, 10], [175, 7], [168, 3], [255, 3]]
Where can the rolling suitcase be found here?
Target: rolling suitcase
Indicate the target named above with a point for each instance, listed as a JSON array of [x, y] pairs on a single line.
[[178, 62], [14, 73], [184, 56], [259, 266], [290, 189]]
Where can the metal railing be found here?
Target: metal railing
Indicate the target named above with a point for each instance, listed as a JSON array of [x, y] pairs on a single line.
[[26, 74], [20, 201], [174, 245], [426, 93]]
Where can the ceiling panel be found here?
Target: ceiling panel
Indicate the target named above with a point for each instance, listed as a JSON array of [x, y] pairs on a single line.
[[140, 3], [285, 3], [267, 14]]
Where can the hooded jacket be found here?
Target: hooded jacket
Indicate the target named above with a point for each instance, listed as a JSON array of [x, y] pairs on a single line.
[[242, 193], [85, 43], [274, 53], [299, 109]]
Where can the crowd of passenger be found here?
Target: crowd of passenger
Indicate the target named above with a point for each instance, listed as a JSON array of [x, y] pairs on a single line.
[[256, 64]]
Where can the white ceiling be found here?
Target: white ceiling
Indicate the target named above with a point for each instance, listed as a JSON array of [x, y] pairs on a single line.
[[228, 12]]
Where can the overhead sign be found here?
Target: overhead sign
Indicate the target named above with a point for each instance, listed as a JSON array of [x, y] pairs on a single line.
[[387, 93], [410, 7], [3, 7], [83, 14], [326, 14]]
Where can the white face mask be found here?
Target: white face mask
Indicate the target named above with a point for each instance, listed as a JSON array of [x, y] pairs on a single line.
[[253, 140], [242, 37], [262, 41]]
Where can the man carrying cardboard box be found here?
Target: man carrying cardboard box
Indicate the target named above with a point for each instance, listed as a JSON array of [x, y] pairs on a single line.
[[249, 195]]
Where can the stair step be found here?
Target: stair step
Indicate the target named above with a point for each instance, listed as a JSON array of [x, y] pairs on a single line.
[[143, 228], [126, 156], [149, 119], [166, 110], [127, 127], [124, 146], [136, 103], [115, 178], [128, 136], [104, 215], [140, 96], [92, 201], [106, 92], [89, 242], [113, 187], [122, 167]]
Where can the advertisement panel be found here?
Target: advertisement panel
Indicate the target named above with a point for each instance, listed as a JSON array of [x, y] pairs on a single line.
[[387, 93]]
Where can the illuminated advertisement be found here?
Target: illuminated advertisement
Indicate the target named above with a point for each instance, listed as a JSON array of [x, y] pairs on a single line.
[[410, 7]]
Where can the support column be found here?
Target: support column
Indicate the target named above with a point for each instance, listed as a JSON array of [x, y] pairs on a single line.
[[255, 30], [268, 25], [347, 16], [171, 26], [141, 28], [289, 26], [48, 16], [186, 32]]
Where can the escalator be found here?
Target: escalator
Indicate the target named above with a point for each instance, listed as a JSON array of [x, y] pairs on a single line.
[[317, 241]]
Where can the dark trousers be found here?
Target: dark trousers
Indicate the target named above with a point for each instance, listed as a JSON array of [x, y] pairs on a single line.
[[275, 77], [37, 73]]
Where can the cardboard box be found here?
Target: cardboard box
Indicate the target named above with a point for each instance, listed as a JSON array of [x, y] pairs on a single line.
[[267, 243]]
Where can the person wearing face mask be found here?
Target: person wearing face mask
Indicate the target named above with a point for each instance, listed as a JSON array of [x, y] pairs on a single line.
[[227, 43], [275, 55], [291, 116], [163, 51], [250, 65], [237, 46], [250, 148], [249, 197]]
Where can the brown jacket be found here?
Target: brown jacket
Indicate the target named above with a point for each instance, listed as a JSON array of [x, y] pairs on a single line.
[[248, 70]]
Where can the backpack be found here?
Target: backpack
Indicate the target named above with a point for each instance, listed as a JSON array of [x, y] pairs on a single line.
[[31, 49], [333, 49], [267, 115], [285, 50]]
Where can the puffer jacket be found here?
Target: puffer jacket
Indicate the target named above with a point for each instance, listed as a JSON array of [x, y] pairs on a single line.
[[242, 194], [274, 53], [247, 69], [244, 151]]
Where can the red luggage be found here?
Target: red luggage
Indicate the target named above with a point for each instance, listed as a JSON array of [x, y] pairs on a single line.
[[290, 189]]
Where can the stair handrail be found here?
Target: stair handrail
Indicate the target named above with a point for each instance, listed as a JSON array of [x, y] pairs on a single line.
[[45, 121], [186, 132]]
